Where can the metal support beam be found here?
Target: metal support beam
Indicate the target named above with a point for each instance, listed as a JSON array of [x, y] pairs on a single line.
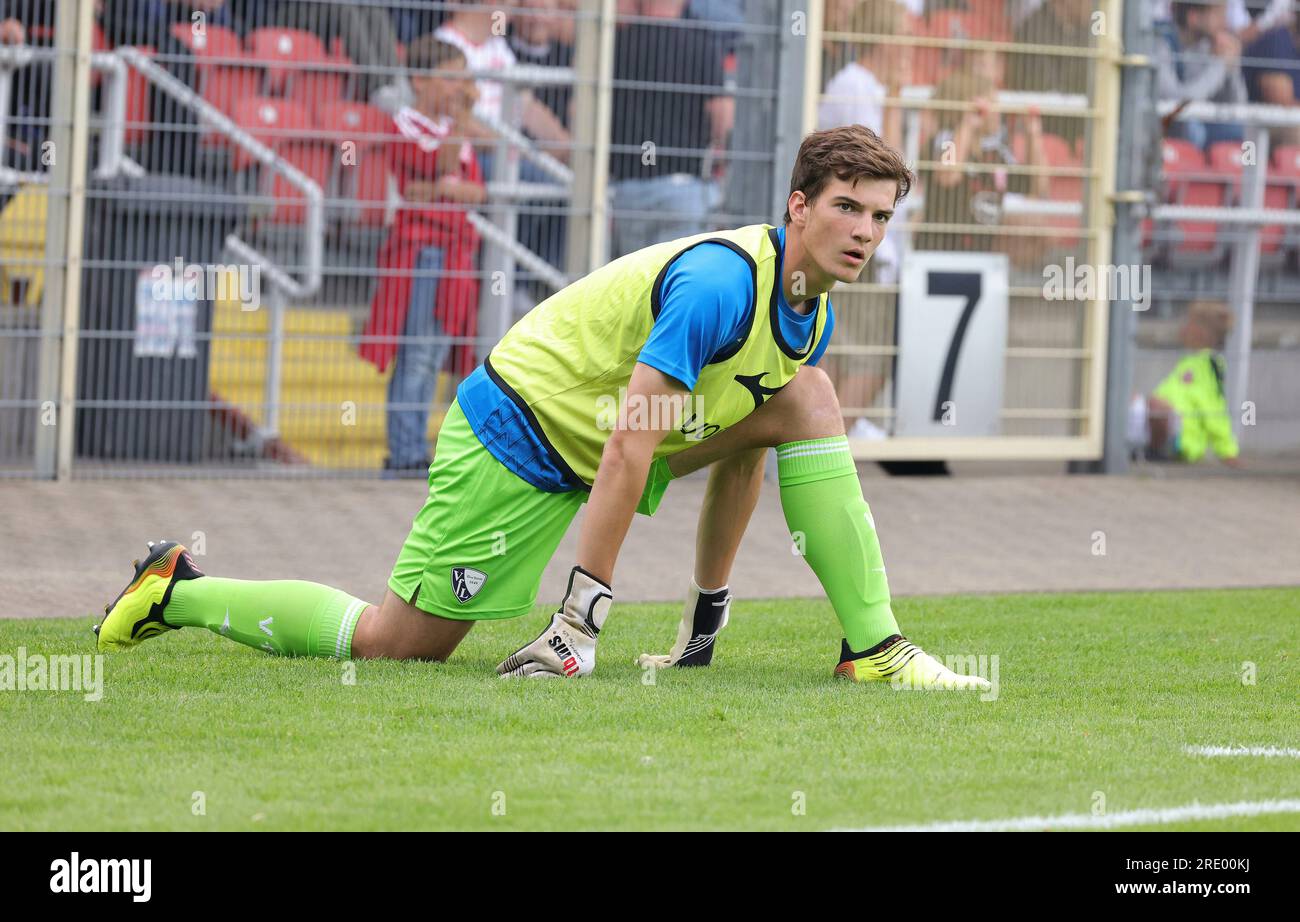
[[1242, 276], [1137, 95]]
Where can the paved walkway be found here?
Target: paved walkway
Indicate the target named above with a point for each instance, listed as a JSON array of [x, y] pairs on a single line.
[[65, 547]]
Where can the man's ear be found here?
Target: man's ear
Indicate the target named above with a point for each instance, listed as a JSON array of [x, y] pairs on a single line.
[[798, 205]]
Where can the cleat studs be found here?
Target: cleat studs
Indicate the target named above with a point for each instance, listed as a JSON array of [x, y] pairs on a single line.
[[136, 562]]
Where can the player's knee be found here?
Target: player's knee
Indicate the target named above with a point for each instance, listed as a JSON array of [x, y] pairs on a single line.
[[812, 406]]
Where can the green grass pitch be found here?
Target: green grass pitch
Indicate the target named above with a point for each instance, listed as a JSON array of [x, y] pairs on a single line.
[[1096, 693]]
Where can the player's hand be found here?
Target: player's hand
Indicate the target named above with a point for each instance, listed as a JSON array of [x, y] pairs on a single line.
[[567, 648], [419, 190], [706, 614], [1227, 46]]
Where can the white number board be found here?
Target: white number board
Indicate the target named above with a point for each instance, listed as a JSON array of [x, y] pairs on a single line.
[[952, 341]]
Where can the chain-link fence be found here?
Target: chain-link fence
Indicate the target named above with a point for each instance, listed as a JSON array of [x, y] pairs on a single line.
[[304, 222], [262, 238], [996, 106]]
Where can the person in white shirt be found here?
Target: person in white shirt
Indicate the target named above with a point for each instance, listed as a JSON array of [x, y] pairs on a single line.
[[857, 94]]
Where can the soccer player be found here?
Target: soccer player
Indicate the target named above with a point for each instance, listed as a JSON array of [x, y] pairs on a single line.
[[726, 327]]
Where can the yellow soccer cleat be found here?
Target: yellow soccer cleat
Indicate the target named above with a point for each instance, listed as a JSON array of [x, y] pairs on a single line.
[[903, 665], [137, 614]]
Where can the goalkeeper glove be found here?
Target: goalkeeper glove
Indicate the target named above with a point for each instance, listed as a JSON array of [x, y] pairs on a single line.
[[705, 615], [567, 648]]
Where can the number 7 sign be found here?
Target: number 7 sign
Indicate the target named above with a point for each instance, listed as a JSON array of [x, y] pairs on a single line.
[[952, 339]]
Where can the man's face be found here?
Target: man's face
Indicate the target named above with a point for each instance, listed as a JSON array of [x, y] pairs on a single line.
[[436, 93], [1206, 20], [842, 227]]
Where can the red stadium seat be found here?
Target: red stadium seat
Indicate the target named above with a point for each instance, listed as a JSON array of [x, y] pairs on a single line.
[[226, 87], [371, 186], [1226, 159], [315, 159], [1060, 188], [1286, 162], [1181, 159], [1285, 172], [367, 181], [274, 122], [355, 121], [138, 117], [299, 67], [316, 89], [213, 45], [283, 51], [1189, 182]]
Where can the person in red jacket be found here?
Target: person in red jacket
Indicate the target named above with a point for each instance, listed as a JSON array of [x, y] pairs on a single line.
[[427, 293]]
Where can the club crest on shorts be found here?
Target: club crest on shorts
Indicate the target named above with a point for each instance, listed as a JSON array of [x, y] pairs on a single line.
[[466, 582]]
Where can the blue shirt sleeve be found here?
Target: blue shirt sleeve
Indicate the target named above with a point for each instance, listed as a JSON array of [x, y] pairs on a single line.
[[703, 304], [826, 335]]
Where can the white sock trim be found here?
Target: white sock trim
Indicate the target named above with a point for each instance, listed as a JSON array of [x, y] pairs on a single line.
[[831, 442], [353, 611]]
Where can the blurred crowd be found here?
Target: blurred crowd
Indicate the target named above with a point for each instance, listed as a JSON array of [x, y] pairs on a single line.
[[434, 137]]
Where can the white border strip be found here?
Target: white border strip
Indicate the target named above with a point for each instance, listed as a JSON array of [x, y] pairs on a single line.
[[1268, 752], [1147, 817]]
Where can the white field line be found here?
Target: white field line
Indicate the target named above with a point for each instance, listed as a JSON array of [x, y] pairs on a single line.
[[1146, 817], [1268, 752]]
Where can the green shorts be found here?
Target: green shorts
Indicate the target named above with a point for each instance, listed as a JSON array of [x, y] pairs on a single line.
[[477, 549]]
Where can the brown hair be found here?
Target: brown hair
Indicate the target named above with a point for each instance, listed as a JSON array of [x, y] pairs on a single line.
[[428, 53], [1212, 316], [873, 17], [960, 86], [850, 153]]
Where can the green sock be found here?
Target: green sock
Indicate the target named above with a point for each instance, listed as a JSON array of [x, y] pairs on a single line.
[[831, 523], [289, 617]]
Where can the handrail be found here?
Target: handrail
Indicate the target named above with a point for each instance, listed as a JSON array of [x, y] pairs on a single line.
[[544, 161], [112, 160], [314, 222], [539, 267], [1246, 113]]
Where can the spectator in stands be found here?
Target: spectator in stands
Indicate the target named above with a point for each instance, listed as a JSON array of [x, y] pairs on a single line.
[[474, 30], [1247, 19], [172, 141], [650, 174], [857, 94], [1273, 73], [1187, 414], [479, 32], [1198, 60], [541, 34], [1059, 22], [25, 22], [976, 136], [427, 286]]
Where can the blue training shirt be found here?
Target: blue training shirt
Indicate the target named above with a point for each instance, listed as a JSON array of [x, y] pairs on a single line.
[[705, 301]]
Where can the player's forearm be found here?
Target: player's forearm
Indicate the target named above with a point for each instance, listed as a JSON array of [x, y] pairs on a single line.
[[729, 500], [620, 480]]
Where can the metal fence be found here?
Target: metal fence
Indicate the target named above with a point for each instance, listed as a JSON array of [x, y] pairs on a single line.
[[1001, 110], [213, 224], [257, 193]]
